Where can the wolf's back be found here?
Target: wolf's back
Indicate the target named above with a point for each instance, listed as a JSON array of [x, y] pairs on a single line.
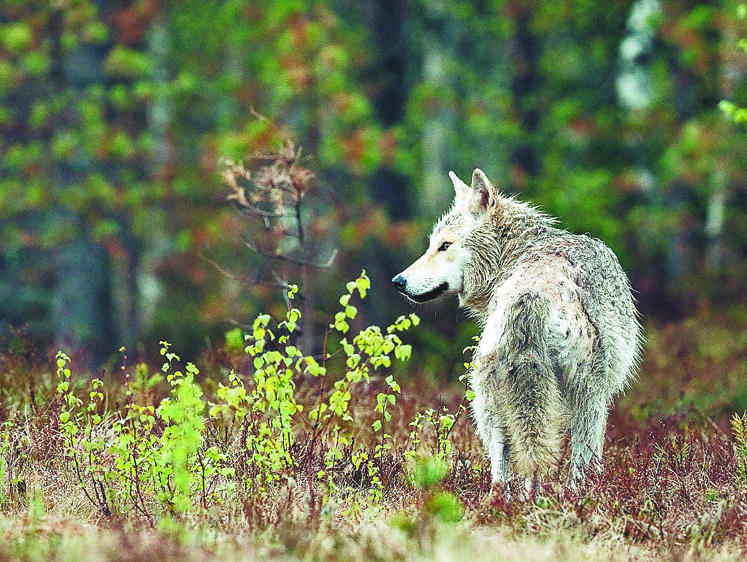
[[607, 299]]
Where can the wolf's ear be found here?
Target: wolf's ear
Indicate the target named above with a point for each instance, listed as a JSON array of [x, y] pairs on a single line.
[[484, 195], [459, 186], [461, 189]]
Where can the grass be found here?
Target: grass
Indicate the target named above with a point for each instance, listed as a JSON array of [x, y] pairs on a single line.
[[363, 483]]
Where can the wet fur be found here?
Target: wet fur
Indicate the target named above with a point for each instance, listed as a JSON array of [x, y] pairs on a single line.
[[560, 331]]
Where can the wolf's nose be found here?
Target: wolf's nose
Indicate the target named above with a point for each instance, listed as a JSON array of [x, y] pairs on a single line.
[[399, 282]]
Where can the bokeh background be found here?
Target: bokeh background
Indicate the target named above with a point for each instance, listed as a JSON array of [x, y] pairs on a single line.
[[115, 229]]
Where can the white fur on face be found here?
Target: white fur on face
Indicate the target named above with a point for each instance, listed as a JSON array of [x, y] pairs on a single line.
[[440, 271]]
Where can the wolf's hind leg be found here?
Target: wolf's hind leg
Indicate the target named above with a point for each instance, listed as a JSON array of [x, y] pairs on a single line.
[[587, 424], [528, 395]]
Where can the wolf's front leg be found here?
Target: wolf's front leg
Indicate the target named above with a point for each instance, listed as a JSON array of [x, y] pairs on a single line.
[[498, 452], [491, 434]]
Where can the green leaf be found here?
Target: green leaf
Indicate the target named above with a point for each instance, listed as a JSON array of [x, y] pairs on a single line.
[[129, 63], [16, 37], [353, 361], [363, 283], [234, 339]]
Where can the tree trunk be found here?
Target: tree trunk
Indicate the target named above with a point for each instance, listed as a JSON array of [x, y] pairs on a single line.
[[436, 190], [82, 304], [82, 308]]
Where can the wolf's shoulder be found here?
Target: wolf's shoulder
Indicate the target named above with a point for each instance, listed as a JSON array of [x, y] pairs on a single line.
[[588, 261], [592, 266], [577, 249]]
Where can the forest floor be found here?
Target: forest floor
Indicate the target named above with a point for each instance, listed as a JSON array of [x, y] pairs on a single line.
[[105, 471]]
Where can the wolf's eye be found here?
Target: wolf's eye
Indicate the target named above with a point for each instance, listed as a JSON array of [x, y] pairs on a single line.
[[443, 247]]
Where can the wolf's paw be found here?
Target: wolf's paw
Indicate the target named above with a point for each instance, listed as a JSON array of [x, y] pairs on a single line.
[[500, 493]]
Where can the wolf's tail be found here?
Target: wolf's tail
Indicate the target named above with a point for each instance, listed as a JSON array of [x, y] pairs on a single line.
[[529, 397]]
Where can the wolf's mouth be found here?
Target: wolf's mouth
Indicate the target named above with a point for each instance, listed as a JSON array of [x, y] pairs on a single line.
[[429, 295]]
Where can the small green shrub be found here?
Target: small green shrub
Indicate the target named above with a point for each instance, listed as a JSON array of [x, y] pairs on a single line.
[[147, 457], [162, 458]]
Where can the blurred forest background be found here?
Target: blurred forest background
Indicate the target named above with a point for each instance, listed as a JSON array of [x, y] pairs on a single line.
[[115, 227]]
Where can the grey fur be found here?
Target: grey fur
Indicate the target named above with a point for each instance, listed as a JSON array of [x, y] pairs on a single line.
[[560, 337]]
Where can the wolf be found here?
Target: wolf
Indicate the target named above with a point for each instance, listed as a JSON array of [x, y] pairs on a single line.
[[560, 338]]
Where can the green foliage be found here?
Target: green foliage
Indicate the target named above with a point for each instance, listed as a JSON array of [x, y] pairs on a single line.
[[739, 429], [116, 115], [441, 422], [729, 108], [155, 458], [111, 141], [147, 453], [446, 507], [429, 472]]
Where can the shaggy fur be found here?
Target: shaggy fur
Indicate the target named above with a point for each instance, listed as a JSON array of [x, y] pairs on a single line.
[[560, 331]]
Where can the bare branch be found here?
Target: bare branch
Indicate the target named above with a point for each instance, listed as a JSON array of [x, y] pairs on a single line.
[[246, 208], [290, 259], [279, 283], [271, 187]]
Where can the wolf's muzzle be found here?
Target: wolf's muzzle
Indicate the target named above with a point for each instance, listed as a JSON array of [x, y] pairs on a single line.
[[401, 284]]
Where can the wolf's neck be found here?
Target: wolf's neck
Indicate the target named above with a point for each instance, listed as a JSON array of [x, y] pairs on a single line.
[[496, 247], [515, 239]]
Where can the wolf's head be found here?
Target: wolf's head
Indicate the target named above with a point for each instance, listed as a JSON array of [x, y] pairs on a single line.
[[441, 270]]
